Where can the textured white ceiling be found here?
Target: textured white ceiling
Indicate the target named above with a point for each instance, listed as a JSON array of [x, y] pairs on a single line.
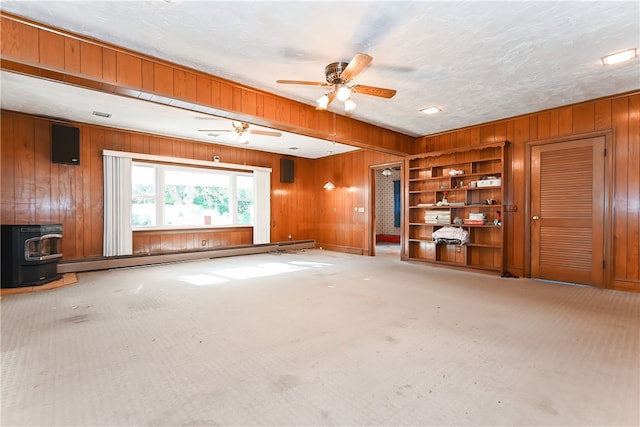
[[479, 61]]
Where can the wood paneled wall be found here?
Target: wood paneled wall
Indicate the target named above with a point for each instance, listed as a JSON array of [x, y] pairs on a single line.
[[336, 222], [619, 113], [34, 190], [35, 49]]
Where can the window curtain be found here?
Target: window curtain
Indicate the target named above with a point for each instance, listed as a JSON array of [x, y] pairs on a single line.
[[396, 203], [262, 219], [118, 235]]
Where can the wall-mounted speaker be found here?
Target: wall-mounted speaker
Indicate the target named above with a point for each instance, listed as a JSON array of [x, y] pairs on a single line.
[[286, 170], [65, 144]]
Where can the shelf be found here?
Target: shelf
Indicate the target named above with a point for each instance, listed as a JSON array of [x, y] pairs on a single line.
[[456, 206], [426, 173], [433, 224], [465, 175]]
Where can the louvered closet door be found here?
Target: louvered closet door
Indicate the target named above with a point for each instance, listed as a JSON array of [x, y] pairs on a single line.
[[567, 208]]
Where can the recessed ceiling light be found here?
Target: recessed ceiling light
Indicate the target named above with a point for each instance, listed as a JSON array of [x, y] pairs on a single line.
[[294, 148], [100, 114], [615, 58], [431, 110]]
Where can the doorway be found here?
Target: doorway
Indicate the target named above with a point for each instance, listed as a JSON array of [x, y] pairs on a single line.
[[567, 210], [386, 212]]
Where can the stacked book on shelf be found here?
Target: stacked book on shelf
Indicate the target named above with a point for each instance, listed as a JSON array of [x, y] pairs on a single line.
[[475, 219], [444, 217], [437, 217]]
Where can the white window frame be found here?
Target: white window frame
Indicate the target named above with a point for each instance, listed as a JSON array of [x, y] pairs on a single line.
[[261, 182], [160, 170]]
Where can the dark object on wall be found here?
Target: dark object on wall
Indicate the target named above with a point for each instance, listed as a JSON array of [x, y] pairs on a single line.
[[65, 144], [30, 254], [286, 170]]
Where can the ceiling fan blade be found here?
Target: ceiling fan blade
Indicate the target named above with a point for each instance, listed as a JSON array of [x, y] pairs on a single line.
[[359, 62], [265, 133], [302, 82], [374, 91]]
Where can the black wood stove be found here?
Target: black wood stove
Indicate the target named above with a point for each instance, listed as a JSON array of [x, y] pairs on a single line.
[[30, 254]]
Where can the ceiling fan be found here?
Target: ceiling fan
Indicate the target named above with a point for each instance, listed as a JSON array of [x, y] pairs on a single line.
[[241, 132], [339, 76]]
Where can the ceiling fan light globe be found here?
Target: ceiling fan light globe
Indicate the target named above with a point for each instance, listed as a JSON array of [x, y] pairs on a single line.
[[349, 105], [243, 138], [343, 94], [323, 102]]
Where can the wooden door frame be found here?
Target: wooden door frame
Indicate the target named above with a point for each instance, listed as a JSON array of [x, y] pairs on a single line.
[[372, 203], [608, 197]]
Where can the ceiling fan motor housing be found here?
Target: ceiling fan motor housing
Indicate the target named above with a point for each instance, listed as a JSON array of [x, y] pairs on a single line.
[[333, 72]]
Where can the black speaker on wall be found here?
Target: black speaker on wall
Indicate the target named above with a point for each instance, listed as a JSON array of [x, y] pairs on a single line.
[[65, 144], [286, 170]]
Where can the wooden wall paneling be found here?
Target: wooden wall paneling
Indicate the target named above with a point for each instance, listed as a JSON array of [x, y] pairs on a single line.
[[184, 85], [72, 55], [18, 40], [79, 209], [533, 127], [66, 184], [203, 90], [516, 226], [51, 48], [602, 113], [294, 116], [215, 92], [7, 170], [226, 96], [109, 66], [544, 124], [42, 171], [87, 163], [112, 72], [633, 191], [503, 131], [554, 123], [128, 70], [474, 135], [91, 60], [487, 133], [282, 110], [96, 138], [583, 118], [565, 120], [24, 170], [620, 120], [248, 101], [148, 76], [163, 79]]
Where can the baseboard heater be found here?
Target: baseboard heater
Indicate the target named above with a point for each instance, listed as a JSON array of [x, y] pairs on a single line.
[[105, 263]]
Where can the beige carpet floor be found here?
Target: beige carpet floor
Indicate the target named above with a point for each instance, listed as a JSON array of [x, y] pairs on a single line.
[[318, 338]]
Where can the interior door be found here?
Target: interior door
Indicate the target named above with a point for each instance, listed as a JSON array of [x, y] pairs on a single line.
[[567, 211]]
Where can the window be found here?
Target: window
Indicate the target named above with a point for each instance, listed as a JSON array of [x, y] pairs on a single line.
[[177, 196]]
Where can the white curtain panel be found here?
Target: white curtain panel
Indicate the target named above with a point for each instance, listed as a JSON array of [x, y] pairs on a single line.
[[118, 234], [262, 220]]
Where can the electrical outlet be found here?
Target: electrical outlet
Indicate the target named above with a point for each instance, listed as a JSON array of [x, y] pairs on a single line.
[[204, 243]]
